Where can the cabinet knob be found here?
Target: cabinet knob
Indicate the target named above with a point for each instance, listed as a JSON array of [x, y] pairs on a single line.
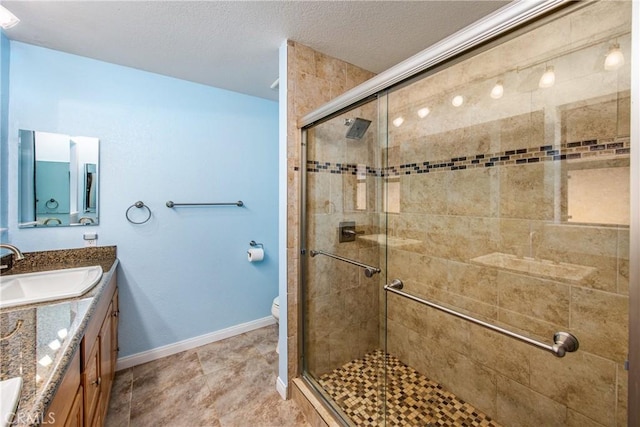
[[116, 313], [97, 382]]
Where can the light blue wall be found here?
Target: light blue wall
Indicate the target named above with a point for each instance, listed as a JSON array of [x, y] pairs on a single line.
[[4, 117], [184, 273]]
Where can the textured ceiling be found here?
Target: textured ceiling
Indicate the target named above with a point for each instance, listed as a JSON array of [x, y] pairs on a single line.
[[234, 44]]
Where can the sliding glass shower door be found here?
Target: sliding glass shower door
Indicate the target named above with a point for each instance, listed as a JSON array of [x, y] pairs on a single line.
[[343, 266], [490, 195], [509, 176]]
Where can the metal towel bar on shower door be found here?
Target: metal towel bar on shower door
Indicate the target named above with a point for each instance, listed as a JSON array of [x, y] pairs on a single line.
[[368, 270], [564, 342]]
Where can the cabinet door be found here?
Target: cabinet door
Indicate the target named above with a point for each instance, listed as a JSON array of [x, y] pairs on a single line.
[[91, 383], [115, 318], [75, 418], [61, 407], [106, 361]]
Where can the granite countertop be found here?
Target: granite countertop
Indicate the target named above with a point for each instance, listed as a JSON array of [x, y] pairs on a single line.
[[50, 333]]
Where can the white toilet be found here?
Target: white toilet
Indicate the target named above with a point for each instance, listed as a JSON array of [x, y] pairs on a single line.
[[275, 312]]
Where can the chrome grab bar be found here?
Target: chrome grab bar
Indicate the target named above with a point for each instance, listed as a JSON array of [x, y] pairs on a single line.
[[563, 342], [368, 270], [171, 204]]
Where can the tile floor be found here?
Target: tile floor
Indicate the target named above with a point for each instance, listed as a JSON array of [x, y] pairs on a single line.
[[411, 399], [228, 383]]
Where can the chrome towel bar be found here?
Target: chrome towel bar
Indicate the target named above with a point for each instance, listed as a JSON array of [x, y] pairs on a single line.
[[368, 270], [564, 342], [239, 203]]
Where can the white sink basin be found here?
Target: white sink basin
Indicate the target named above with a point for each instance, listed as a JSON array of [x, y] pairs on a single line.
[[29, 288], [9, 396]]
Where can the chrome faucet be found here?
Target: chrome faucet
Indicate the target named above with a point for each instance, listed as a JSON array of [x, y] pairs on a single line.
[[86, 220], [16, 252], [17, 255]]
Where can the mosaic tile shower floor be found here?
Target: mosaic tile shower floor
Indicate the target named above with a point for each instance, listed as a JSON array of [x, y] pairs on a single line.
[[413, 399]]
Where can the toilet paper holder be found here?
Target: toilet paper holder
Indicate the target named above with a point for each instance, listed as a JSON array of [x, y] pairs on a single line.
[[253, 243]]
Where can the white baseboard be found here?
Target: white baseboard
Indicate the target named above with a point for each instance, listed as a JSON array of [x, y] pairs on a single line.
[[168, 350], [281, 387]]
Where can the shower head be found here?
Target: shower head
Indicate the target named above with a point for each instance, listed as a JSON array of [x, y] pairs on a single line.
[[357, 127]]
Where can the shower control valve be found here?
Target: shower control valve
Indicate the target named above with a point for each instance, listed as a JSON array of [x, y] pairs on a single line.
[[347, 231]]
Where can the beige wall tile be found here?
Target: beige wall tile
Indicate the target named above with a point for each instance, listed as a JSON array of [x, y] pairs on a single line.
[[520, 406], [411, 315], [623, 261], [590, 121], [469, 192], [473, 281], [600, 321], [470, 381], [527, 325], [576, 419], [521, 131], [303, 57], [526, 192], [505, 355], [356, 75], [581, 381], [329, 68], [411, 266], [439, 295], [415, 189], [602, 17], [536, 298]]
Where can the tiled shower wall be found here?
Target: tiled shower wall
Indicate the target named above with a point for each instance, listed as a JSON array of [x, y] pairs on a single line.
[[489, 181], [341, 303], [313, 79]]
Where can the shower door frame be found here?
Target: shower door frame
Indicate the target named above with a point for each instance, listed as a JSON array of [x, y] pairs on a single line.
[[335, 411], [633, 413], [499, 23]]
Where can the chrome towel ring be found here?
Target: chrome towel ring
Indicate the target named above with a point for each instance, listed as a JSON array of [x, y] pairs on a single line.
[[139, 204], [52, 204]]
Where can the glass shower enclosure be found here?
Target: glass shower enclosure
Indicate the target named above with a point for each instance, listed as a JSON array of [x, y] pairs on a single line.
[[462, 226]]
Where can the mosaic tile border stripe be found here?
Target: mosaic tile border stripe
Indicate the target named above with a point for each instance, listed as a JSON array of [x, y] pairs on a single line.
[[412, 398], [578, 150]]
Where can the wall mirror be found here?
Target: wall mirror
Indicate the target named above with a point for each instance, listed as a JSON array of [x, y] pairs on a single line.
[[58, 178]]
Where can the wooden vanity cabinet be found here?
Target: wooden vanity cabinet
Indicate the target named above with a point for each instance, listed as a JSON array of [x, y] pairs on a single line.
[[99, 354], [82, 398], [66, 408]]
